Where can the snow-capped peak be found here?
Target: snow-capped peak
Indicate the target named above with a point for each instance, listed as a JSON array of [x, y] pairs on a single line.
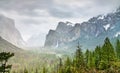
[[106, 26]]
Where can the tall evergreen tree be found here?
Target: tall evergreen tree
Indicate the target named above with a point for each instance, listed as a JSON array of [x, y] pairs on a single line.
[[108, 53], [87, 54], [60, 62], [60, 66], [97, 56], [79, 59], [68, 65], [91, 60], [118, 49], [68, 62]]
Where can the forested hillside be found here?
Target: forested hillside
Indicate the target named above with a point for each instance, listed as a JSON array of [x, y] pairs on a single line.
[[103, 59]]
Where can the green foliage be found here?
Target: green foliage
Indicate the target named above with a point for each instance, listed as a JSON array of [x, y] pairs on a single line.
[[68, 70], [87, 57], [100, 60], [68, 62], [102, 65], [118, 49], [98, 56], [4, 57], [91, 61], [25, 70], [44, 70], [78, 58], [108, 51]]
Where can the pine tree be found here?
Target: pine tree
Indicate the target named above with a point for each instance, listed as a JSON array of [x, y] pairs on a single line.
[[118, 49], [60, 63], [87, 53], [68, 62], [4, 57], [79, 59], [91, 62], [93, 59], [108, 53], [97, 56]]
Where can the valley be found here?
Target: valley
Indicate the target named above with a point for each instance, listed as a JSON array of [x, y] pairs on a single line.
[[91, 46]]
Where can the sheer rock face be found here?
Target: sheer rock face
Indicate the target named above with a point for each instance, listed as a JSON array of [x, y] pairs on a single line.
[[60, 35], [9, 32], [89, 32]]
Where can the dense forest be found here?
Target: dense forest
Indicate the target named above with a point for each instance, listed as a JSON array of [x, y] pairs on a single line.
[[103, 59]]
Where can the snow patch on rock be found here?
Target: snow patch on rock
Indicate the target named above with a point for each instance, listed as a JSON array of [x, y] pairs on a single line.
[[106, 26], [101, 17], [117, 34]]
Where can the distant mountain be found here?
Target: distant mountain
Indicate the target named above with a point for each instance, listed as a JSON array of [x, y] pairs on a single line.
[[9, 32], [35, 40], [88, 34], [6, 46]]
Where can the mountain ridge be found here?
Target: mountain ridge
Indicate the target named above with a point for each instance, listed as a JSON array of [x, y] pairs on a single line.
[[9, 32], [7, 46], [93, 30]]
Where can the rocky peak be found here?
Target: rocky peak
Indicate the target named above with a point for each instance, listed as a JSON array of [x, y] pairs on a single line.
[[64, 27], [51, 32], [7, 27]]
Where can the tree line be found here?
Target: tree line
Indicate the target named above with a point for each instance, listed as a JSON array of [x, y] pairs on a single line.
[[103, 59]]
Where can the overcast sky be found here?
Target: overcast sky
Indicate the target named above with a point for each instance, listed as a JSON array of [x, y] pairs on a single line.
[[36, 17]]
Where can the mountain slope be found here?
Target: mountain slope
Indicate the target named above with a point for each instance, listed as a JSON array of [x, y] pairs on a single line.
[[9, 32], [88, 34], [6, 46]]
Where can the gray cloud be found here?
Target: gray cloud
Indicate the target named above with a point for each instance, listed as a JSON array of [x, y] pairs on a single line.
[[60, 9], [25, 6], [61, 12]]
